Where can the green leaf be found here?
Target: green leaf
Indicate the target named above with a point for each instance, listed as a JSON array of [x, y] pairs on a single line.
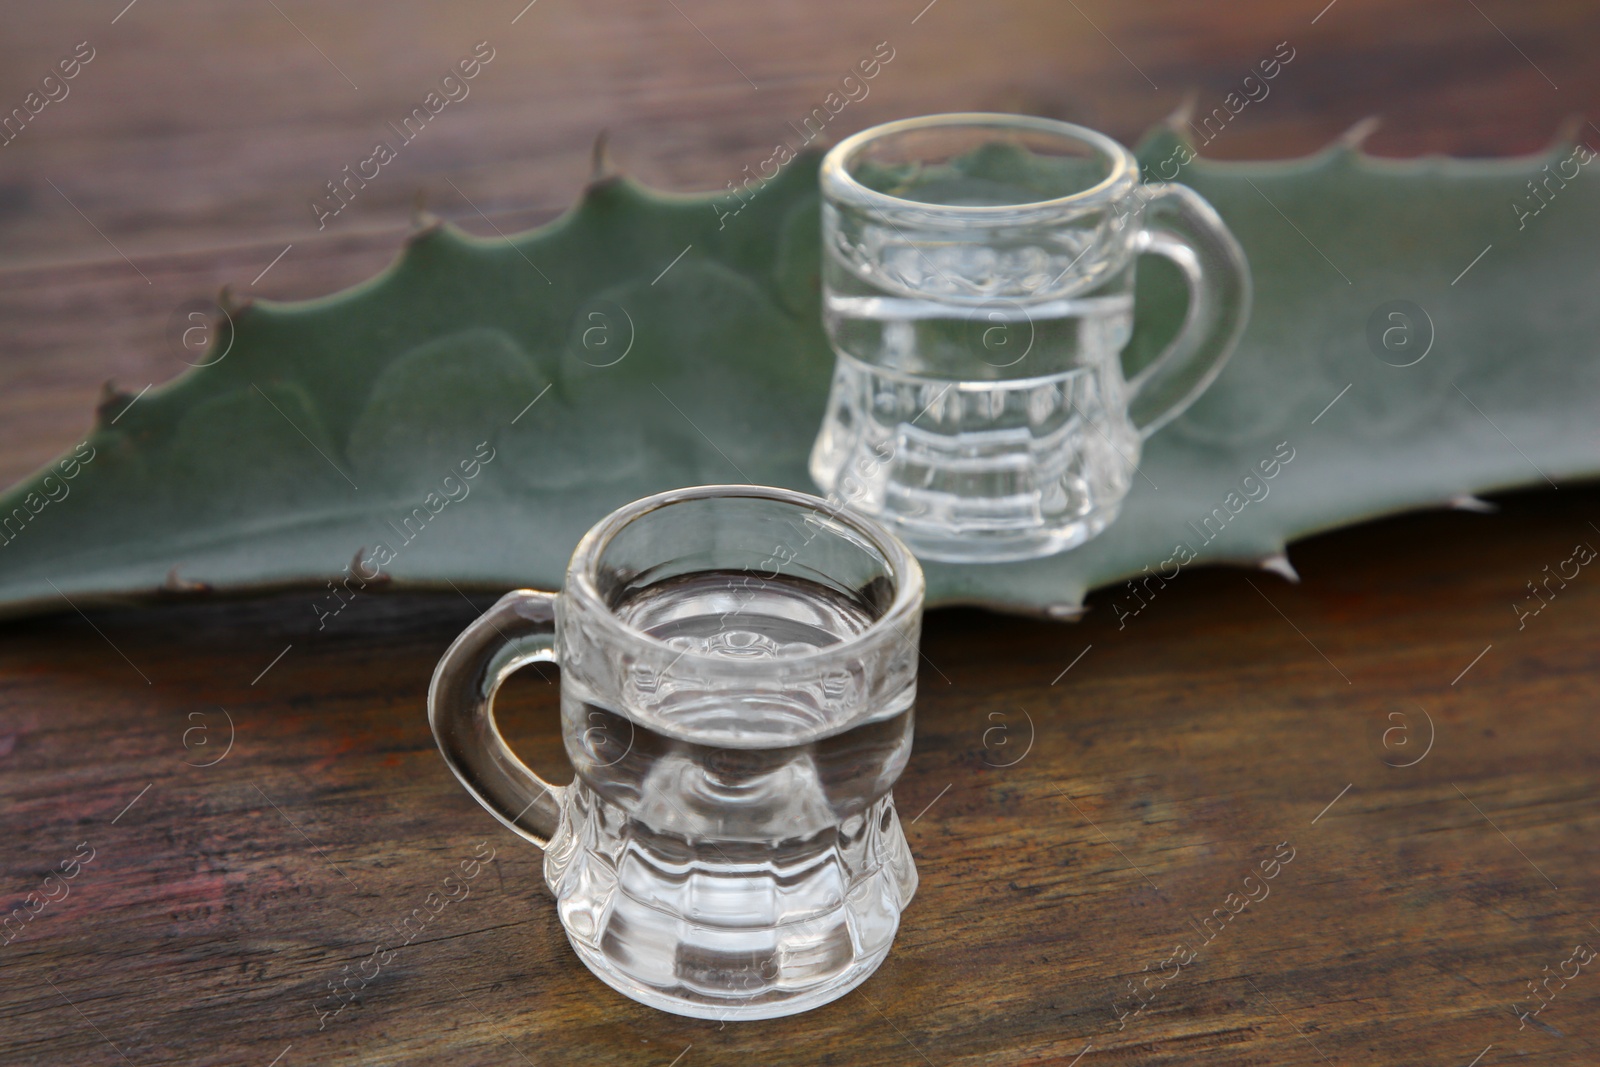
[[665, 341]]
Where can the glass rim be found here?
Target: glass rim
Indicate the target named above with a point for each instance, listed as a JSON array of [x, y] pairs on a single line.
[[902, 567], [1120, 180]]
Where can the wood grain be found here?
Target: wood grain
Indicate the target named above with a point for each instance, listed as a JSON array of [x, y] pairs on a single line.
[[1075, 814]]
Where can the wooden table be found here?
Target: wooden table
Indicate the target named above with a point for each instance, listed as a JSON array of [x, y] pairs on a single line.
[[1082, 799]]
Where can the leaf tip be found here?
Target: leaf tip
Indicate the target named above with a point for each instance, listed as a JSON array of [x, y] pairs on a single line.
[[1178, 120], [600, 163], [1278, 563], [1468, 502], [358, 567], [1569, 128], [112, 400], [231, 302], [1352, 139], [424, 223], [176, 584]]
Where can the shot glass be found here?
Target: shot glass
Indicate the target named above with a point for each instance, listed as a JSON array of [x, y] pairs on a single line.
[[738, 675], [978, 280]]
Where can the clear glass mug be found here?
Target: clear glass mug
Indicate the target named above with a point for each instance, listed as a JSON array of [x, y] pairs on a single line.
[[978, 275], [738, 672]]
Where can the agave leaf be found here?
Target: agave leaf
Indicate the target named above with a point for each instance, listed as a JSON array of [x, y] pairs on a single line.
[[644, 341]]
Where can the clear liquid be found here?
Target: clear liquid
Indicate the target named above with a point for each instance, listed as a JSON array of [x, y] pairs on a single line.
[[980, 432], [726, 880]]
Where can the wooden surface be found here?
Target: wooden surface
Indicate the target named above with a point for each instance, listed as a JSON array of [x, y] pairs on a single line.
[[1071, 825]]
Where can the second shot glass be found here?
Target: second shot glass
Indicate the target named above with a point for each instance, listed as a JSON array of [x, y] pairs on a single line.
[[978, 277]]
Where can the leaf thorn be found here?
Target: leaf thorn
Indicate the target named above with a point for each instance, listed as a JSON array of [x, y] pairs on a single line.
[[424, 223], [1468, 502], [176, 584], [231, 302], [1279, 564], [358, 569], [1353, 138], [1569, 128], [111, 400], [600, 163], [1181, 115]]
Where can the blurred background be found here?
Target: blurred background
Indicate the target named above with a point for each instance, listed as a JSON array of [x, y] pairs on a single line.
[[186, 153]]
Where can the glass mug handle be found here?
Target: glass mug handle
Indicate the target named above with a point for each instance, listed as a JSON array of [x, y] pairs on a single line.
[[1188, 231], [518, 630]]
